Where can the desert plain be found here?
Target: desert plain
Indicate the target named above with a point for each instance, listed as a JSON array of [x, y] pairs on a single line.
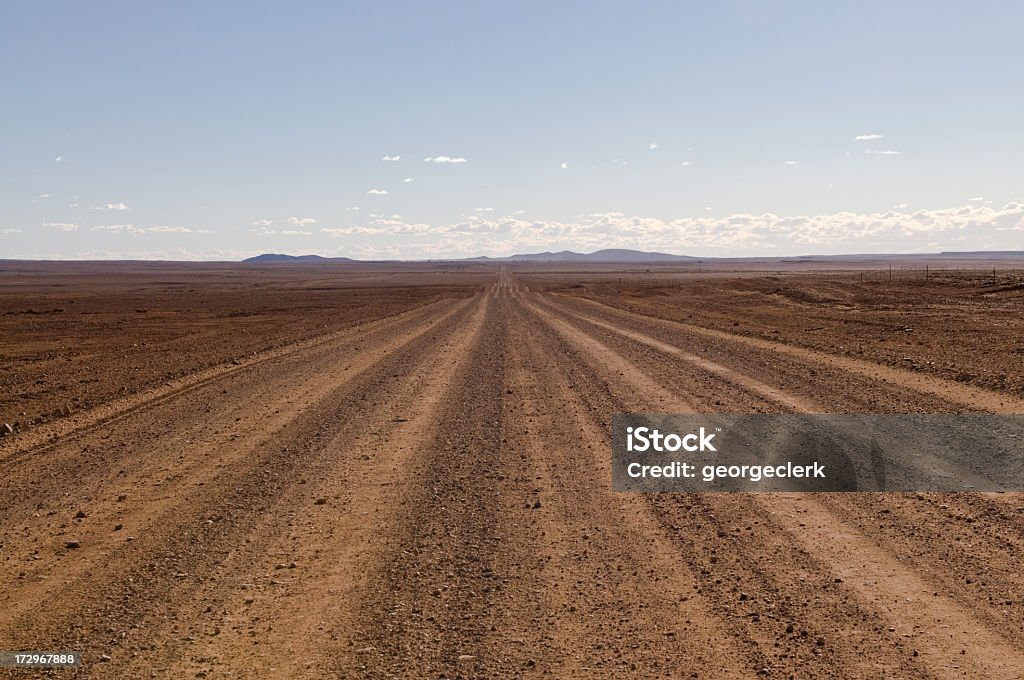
[[402, 470]]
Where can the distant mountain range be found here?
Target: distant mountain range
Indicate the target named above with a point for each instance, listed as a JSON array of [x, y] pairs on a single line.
[[612, 255], [623, 256]]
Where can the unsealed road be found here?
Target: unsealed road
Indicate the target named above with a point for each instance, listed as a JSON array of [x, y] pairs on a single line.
[[427, 494]]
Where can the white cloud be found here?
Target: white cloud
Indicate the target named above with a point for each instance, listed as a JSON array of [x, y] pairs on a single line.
[[790, 163], [347, 231], [62, 226], [686, 163], [887, 152], [262, 223], [295, 232], [870, 137], [391, 158], [301, 221], [377, 192], [444, 159], [44, 196], [483, 209], [115, 227], [59, 159], [112, 206], [977, 199], [354, 208], [159, 229], [72, 205], [565, 166], [164, 229], [652, 146], [900, 206], [10, 231], [408, 179]]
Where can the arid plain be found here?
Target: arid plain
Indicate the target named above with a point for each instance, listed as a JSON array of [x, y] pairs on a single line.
[[232, 471]]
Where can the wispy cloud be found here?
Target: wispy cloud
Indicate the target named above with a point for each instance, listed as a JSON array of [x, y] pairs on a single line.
[[483, 209], [158, 229], [377, 192], [444, 159], [790, 163], [348, 231], [164, 229], [565, 166], [886, 152], [262, 223], [391, 158], [295, 232], [301, 221], [407, 180], [870, 137], [115, 227], [10, 231], [44, 196], [652, 146], [111, 206], [977, 199], [686, 163], [61, 226], [59, 159]]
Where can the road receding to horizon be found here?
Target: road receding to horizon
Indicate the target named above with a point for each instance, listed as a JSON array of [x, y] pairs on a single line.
[[270, 473]]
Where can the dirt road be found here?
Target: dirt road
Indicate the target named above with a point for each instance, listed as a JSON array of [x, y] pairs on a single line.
[[426, 493]]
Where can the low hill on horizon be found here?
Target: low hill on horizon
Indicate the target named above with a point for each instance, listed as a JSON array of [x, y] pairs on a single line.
[[276, 257]]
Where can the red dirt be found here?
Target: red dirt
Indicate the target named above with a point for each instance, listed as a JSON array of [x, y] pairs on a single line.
[[405, 471]]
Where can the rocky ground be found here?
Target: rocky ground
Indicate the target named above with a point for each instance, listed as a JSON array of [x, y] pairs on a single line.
[[406, 473]]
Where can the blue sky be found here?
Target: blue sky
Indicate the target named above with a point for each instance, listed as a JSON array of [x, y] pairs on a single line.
[[195, 130]]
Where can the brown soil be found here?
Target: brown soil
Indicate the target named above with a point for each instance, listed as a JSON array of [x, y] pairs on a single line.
[[312, 472]]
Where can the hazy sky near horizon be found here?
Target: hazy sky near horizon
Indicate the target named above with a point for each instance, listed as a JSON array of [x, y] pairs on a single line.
[[194, 130]]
